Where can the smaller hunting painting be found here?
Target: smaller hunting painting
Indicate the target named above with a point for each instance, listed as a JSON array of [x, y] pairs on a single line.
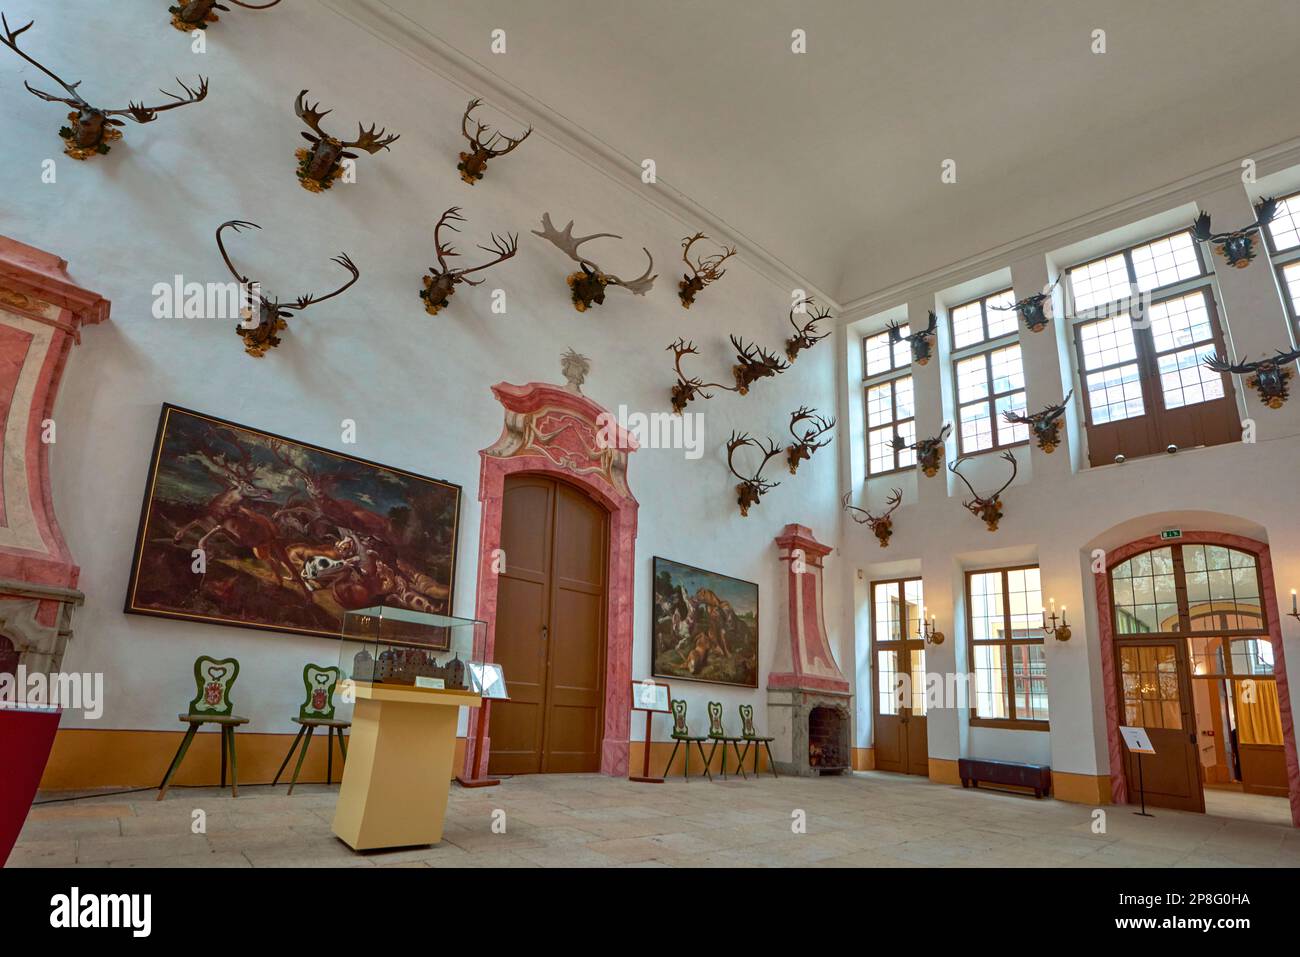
[[705, 626]]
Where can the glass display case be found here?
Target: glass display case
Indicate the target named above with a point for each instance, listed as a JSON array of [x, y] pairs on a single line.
[[398, 646]]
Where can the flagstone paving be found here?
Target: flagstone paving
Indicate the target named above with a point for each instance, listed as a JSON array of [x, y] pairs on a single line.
[[865, 820]]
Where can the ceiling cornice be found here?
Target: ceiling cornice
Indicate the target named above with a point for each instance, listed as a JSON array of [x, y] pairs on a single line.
[[408, 37], [1138, 207]]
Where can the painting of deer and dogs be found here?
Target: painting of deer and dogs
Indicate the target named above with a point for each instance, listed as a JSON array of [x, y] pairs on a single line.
[[241, 527], [705, 626]]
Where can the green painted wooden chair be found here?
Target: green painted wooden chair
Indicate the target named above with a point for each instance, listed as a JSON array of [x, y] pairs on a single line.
[[681, 734], [213, 679], [317, 712], [718, 735], [754, 739]]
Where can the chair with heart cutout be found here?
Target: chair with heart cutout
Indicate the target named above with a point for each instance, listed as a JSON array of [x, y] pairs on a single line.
[[213, 679], [317, 712]]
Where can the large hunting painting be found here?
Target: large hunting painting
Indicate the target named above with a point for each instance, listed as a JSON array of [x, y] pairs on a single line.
[[241, 527], [705, 626]]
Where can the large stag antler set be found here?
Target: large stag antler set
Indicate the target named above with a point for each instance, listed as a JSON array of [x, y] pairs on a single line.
[[882, 526], [1238, 246], [806, 442], [197, 14], [753, 363], [93, 129], [751, 488], [441, 282], [704, 270], [588, 284], [922, 341], [321, 165], [987, 508], [688, 387], [473, 164], [265, 317], [929, 452], [1269, 377], [1033, 309], [1045, 425], [805, 336]]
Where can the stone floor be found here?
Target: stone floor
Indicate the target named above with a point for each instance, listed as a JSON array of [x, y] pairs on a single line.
[[866, 820]]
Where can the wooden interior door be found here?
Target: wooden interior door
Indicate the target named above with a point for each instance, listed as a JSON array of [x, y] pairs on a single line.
[[550, 629], [901, 743], [1155, 694]]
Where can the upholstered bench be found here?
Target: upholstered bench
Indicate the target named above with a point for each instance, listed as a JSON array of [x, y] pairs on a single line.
[[1007, 774]]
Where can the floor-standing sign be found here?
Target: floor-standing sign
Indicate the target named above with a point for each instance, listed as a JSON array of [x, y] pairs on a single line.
[[1138, 743], [653, 698], [488, 681]]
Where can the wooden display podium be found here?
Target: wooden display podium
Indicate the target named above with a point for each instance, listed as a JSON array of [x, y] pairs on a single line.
[[398, 773]]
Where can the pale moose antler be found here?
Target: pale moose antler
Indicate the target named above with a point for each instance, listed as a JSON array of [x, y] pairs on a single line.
[[588, 284]]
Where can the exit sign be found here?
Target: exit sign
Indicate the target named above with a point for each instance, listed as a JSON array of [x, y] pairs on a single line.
[[1169, 533]]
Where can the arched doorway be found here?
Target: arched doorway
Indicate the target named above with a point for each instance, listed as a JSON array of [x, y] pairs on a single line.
[[558, 433], [1192, 652]]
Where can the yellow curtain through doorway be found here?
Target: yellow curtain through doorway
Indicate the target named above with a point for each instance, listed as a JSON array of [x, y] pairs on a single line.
[[1259, 720]]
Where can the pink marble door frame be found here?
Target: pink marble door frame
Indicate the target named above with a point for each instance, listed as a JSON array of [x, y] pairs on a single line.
[[1101, 581], [554, 432]]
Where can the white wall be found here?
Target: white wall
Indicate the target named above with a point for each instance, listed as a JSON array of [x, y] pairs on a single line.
[[417, 386], [1059, 510]]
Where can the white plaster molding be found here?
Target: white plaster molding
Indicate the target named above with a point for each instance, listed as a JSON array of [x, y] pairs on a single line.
[[408, 37]]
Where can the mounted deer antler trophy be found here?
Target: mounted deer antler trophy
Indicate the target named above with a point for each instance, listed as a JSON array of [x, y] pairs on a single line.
[[929, 452], [321, 165], [882, 526], [441, 281], [688, 387], [704, 270], [266, 317], [91, 129], [806, 443], [1236, 247], [1268, 377], [473, 164], [752, 364], [588, 284], [751, 488], [197, 14], [922, 342], [1032, 308], [805, 336], [1045, 425], [987, 508]]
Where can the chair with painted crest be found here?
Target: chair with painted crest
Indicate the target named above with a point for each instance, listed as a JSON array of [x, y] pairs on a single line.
[[317, 712], [681, 734], [213, 679], [718, 735], [753, 739]]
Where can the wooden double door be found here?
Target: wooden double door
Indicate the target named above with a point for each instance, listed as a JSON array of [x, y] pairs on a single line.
[[550, 629]]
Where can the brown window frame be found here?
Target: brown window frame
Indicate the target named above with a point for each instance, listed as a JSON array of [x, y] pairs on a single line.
[[1013, 723], [1154, 430], [985, 339], [896, 372]]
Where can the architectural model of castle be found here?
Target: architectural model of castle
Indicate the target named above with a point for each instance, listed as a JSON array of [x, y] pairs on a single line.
[[403, 665]]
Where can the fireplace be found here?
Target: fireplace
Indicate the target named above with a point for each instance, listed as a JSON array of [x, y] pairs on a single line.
[[808, 700], [828, 739]]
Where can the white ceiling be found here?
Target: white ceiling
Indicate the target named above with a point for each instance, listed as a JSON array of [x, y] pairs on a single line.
[[830, 160]]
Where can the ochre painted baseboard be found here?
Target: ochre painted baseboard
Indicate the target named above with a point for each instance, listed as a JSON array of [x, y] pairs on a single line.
[[660, 751], [1081, 788], [944, 771], [85, 758], [863, 759]]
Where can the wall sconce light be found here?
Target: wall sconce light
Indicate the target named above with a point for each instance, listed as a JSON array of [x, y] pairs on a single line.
[[927, 632], [1060, 632], [1294, 612]]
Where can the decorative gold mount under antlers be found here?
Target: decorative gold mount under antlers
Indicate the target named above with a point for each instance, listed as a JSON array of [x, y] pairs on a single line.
[[805, 336], [751, 488], [753, 363], [588, 284], [197, 14], [321, 165], [92, 129], [882, 526], [806, 444], [441, 282], [921, 341], [1045, 425], [988, 508], [264, 317], [473, 164], [928, 451], [704, 270]]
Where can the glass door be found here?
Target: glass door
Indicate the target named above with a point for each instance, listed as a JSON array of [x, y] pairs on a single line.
[[898, 656], [1154, 694]]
